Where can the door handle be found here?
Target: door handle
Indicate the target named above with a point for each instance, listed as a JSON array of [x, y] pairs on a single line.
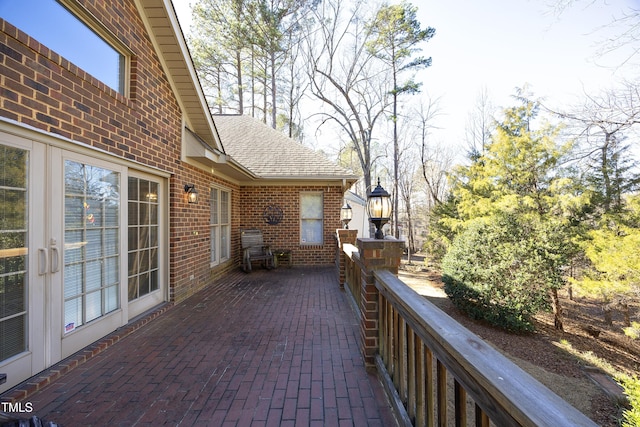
[[42, 261], [55, 257]]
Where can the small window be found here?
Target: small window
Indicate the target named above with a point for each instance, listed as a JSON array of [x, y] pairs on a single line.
[[311, 209], [53, 25]]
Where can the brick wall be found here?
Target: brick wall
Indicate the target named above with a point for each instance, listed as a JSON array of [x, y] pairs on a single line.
[[190, 234], [41, 89], [286, 234]]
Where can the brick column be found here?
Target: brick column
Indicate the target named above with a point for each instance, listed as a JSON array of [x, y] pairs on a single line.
[[374, 255], [343, 236]]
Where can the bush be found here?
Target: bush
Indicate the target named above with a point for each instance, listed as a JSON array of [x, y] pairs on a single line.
[[633, 331], [501, 268], [631, 416]]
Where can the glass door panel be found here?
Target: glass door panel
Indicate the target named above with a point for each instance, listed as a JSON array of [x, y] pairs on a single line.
[[144, 267], [91, 256], [14, 284], [21, 247]]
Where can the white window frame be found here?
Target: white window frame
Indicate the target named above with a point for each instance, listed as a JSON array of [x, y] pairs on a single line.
[[219, 226], [303, 218]]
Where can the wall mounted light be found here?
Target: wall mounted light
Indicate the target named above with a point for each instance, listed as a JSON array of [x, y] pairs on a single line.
[[379, 208], [192, 193], [346, 213]]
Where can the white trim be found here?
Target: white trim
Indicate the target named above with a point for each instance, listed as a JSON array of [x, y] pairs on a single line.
[[321, 219], [219, 260]]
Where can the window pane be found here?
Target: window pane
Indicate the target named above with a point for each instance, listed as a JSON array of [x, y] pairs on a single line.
[[72, 314], [14, 165], [214, 205], [110, 298], [91, 249], [72, 280], [112, 271], [214, 244], [43, 19], [224, 242], [311, 205], [133, 288], [311, 231], [224, 207], [93, 305]]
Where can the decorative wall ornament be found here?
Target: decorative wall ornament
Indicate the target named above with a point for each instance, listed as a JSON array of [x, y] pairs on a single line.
[[272, 214]]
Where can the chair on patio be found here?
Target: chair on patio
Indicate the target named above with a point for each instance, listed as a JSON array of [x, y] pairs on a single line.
[[254, 249]]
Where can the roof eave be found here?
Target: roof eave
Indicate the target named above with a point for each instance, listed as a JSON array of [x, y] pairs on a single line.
[[165, 32]]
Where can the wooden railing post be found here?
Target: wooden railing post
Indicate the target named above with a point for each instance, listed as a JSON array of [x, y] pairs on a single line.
[[343, 236], [375, 254]]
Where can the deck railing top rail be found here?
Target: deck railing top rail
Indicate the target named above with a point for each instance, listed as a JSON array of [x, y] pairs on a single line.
[[506, 393]]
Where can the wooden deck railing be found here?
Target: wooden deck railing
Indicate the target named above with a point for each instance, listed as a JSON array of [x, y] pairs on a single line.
[[440, 373], [352, 272]]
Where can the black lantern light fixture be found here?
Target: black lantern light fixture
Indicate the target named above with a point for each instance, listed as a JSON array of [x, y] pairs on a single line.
[[192, 193], [379, 208], [346, 213]]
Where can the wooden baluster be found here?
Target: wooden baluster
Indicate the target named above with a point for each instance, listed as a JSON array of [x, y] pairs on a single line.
[[460, 399], [482, 419], [441, 377], [412, 374]]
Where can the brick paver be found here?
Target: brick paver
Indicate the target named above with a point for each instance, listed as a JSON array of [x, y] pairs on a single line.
[[270, 348]]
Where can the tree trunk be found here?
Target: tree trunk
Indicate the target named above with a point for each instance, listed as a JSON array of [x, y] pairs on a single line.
[[557, 310], [273, 90], [240, 88], [606, 310], [626, 314]]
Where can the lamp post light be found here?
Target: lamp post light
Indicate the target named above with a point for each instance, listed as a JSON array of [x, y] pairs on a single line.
[[346, 213], [379, 208]]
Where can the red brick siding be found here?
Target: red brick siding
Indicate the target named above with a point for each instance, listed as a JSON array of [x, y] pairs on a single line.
[[190, 233], [286, 234], [41, 89]]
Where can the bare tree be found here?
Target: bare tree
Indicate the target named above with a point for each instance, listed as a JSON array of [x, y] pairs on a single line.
[[480, 124], [345, 79], [435, 161], [601, 124], [626, 27]]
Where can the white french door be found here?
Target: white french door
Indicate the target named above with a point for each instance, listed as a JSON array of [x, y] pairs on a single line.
[[61, 246], [87, 227], [82, 251], [24, 259]]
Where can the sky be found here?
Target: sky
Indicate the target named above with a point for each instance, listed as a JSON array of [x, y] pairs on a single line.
[[503, 44], [498, 45]]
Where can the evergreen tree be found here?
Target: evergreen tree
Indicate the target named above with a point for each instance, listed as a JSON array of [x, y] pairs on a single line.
[[396, 34]]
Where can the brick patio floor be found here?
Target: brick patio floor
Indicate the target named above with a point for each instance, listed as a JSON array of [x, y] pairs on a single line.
[[270, 348]]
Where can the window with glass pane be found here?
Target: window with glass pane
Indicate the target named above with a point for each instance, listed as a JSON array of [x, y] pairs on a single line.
[[91, 243], [220, 224], [13, 251], [311, 219], [143, 238], [44, 19]]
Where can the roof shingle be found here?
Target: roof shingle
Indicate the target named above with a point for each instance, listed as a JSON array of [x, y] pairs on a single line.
[[270, 154]]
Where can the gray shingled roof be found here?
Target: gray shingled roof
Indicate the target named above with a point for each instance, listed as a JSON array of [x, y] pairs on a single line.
[[271, 154]]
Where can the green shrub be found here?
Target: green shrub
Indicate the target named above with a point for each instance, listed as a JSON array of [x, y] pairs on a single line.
[[501, 268], [631, 416], [633, 331]]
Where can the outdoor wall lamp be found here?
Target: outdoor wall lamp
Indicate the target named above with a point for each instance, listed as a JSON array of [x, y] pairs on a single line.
[[346, 213], [192, 193], [379, 208]]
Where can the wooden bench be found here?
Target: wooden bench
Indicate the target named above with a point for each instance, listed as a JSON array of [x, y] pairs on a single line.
[[254, 249]]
